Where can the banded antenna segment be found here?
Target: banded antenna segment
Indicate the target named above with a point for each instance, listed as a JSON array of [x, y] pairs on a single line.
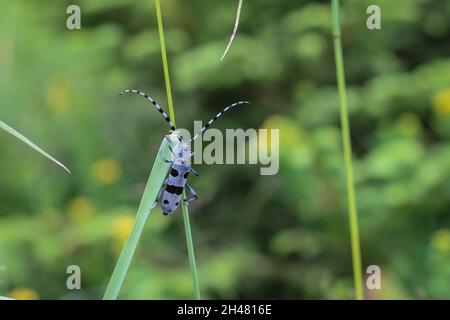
[[217, 116], [152, 101]]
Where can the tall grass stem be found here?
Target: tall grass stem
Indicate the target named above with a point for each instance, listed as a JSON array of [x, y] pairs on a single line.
[[345, 128], [185, 209], [165, 61]]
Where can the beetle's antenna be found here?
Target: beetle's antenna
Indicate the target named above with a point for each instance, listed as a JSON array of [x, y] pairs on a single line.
[[166, 117], [217, 116]]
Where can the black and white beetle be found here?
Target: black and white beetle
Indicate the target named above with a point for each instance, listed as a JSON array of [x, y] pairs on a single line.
[[181, 166]]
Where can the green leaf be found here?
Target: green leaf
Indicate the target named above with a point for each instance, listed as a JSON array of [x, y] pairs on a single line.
[[25, 140], [155, 181]]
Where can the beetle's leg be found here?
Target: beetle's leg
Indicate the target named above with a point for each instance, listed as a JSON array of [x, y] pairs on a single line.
[[168, 142], [164, 157], [159, 194], [169, 145], [194, 195], [194, 172], [171, 150]]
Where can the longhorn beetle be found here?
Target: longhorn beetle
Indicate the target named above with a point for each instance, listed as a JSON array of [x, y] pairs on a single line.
[[181, 166]]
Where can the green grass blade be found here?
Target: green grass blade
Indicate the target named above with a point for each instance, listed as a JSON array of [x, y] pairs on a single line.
[[155, 181], [185, 209], [162, 42], [190, 246], [351, 197], [25, 140]]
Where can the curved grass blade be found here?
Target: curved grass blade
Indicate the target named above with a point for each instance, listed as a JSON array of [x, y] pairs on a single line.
[[25, 140], [236, 25], [155, 181]]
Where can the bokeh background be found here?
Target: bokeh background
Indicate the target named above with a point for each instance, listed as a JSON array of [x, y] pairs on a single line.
[[282, 236]]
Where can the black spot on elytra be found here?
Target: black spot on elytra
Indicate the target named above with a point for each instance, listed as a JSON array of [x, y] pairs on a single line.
[[166, 202], [174, 189], [177, 203], [186, 175], [174, 172]]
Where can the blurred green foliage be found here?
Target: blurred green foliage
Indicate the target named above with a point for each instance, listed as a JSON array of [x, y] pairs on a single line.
[[282, 236]]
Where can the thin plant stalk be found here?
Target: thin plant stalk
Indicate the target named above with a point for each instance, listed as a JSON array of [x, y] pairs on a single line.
[[185, 209], [351, 198], [162, 42], [190, 247]]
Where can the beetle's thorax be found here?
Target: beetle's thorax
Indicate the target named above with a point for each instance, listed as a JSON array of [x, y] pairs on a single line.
[[182, 153]]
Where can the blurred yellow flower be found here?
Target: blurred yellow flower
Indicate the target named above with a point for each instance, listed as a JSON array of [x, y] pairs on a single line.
[[409, 123], [81, 209], [121, 227], [290, 132], [58, 94], [442, 102], [23, 294], [441, 240], [106, 171]]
